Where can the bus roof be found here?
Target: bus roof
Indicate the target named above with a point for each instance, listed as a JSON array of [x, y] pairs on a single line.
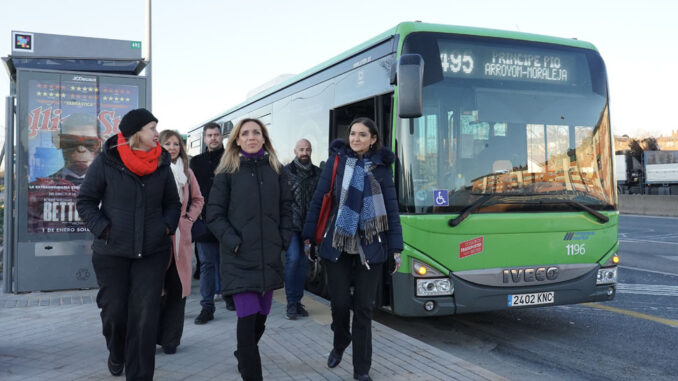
[[405, 28]]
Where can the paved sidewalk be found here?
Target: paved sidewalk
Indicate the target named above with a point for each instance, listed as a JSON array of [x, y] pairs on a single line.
[[57, 336]]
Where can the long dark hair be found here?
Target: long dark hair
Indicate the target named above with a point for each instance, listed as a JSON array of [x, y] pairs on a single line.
[[371, 126]]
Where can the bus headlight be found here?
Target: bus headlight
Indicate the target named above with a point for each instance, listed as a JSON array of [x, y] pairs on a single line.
[[420, 269], [434, 287], [607, 275]]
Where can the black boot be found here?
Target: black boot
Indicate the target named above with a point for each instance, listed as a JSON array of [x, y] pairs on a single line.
[[249, 363], [260, 326]]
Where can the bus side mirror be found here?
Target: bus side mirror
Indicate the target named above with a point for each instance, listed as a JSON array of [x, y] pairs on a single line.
[[410, 77]]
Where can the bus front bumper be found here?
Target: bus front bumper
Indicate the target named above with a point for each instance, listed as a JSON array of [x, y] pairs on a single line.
[[470, 297]]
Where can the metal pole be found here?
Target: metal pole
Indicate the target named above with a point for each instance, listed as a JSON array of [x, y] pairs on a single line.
[[149, 75], [8, 236]]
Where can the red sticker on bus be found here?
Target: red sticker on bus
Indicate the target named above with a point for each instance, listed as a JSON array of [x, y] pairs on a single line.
[[470, 247]]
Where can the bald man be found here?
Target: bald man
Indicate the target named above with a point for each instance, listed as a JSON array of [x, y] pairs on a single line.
[[302, 177]]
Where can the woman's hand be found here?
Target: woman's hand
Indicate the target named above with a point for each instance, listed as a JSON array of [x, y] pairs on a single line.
[[307, 248], [396, 258]]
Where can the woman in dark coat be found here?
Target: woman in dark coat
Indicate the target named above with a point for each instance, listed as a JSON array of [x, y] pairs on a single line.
[[248, 210], [363, 229], [129, 202]]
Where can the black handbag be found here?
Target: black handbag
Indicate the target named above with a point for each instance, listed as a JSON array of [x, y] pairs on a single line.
[[200, 232]]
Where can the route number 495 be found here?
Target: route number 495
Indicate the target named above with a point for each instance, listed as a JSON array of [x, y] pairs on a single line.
[[576, 249]]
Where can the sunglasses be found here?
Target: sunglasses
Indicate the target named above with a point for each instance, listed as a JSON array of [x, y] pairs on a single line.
[[71, 142]]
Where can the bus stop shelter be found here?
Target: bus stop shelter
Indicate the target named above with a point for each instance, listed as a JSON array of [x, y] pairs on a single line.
[[67, 96]]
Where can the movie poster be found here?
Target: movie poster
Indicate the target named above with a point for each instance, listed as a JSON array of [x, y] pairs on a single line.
[[69, 119]]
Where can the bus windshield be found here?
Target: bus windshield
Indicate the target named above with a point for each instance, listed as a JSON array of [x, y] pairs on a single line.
[[526, 122]]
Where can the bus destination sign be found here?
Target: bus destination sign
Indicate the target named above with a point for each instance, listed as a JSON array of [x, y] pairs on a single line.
[[488, 62]]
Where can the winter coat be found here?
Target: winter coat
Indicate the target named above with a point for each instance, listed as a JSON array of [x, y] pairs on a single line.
[[390, 241], [302, 183], [139, 211], [250, 210], [203, 167], [183, 251]]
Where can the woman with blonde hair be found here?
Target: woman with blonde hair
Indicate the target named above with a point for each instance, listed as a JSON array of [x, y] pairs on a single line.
[[249, 211], [130, 204], [178, 276]]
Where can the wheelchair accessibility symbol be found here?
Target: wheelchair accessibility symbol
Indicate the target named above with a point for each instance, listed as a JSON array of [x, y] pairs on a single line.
[[441, 197]]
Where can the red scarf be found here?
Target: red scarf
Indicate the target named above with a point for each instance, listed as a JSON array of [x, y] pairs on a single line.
[[139, 162]]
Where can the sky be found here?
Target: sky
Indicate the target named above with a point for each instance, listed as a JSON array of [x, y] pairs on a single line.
[[208, 54]]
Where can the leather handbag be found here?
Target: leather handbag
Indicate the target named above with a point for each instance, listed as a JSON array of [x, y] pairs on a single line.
[[326, 206]]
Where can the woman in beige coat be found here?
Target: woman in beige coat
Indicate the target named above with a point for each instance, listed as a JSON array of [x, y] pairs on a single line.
[[179, 273]]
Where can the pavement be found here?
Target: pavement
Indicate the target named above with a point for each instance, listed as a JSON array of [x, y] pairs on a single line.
[[57, 336]]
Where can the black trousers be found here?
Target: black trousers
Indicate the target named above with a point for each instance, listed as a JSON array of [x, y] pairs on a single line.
[[340, 275], [172, 310], [129, 298]]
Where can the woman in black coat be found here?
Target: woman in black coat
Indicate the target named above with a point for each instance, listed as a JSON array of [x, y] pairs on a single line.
[[248, 211], [129, 202], [363, 229]]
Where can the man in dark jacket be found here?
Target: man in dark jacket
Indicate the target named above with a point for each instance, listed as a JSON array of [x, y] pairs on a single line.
[[203, 167], [302, 177]]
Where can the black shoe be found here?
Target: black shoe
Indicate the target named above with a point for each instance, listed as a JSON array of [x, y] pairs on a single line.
[[229, 302], [115, 369], [205, 316], [334, 358], [169, 350], [301, 311], [362, 377], [235, 353], [291, 313]]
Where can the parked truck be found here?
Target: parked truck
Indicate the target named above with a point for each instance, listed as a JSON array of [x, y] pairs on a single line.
[[655, 173]]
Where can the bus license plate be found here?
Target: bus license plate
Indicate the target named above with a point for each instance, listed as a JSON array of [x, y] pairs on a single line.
[[530, 299]]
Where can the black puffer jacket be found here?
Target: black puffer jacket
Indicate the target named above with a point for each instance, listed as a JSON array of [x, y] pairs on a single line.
[[302, 183], [250, 210], [138, 210]]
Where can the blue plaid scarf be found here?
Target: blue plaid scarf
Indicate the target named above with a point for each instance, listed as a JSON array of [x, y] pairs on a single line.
[[361, 205]]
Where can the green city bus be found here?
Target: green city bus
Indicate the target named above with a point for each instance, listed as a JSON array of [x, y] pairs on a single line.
[[504, 161]]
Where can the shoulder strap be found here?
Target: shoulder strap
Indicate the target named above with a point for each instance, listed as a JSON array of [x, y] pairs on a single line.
[[334, 172]]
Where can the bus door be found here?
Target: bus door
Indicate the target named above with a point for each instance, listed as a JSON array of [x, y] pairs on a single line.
[[378, 108]]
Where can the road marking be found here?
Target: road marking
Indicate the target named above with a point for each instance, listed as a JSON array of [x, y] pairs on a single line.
[[649, 271], [647, 289], [656, 319], [643, 216], [647, 240]]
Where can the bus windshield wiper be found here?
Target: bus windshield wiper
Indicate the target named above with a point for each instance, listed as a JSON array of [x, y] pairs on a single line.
[[601, 217], [466, 211], [486, 197]]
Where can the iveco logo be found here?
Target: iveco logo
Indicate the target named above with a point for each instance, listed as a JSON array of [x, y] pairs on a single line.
[[538, 274]]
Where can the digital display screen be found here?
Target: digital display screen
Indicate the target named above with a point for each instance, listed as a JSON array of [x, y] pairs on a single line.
[[483, 61]]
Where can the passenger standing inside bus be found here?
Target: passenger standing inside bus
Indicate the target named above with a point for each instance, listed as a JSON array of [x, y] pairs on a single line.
[[178, 276], [249, 212], [363, 229], [129, 202], [203, 166], [302, 177]]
